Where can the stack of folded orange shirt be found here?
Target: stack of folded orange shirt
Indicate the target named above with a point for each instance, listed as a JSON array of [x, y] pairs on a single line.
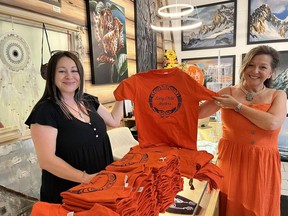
[[115, 190], [164, 166]]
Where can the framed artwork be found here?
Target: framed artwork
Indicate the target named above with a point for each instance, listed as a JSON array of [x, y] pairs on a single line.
[[280, 78], [218, 71], [107, 40], [267, 21], [218, 27]]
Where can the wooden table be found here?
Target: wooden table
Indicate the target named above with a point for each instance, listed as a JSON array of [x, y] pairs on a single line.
[[208, 201]]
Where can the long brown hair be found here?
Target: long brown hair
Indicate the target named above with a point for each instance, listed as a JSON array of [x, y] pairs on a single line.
[[52, 92], [259, 50]]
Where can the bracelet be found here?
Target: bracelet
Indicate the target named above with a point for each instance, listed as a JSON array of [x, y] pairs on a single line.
[[83, 177], [238, 107]]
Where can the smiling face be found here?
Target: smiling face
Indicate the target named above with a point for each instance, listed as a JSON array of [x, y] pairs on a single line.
[[67, 77], [258, 70]]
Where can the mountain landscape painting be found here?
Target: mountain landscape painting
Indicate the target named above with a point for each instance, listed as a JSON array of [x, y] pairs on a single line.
[[280, 78], [267, 22], [218, 27]]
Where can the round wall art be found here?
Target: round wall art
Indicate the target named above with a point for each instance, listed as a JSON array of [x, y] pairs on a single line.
[[14, 52]]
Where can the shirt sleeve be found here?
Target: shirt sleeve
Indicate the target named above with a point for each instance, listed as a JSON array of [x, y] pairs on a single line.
[[126, 89], [92, 101], [201, 92], [46, 113]]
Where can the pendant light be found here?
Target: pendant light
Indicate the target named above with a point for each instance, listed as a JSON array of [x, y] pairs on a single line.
[[182, 16], [188, 9]]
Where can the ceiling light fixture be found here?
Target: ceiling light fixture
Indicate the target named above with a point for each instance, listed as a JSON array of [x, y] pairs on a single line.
[[188, 9], [192, 23], [159, 24]]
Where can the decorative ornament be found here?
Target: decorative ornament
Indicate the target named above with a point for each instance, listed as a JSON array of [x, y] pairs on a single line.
[[170, 59], [14, 52], [196, 73], [18, 85]]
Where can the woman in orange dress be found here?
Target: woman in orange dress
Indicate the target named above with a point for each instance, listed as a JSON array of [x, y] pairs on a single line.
[[252, 114]]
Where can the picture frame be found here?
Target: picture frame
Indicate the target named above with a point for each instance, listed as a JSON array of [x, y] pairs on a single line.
[[280, 78], [266, 27], [107, 41], [218, 28], [215, 79]]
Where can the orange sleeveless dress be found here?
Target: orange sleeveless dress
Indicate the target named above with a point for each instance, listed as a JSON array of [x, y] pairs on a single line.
[[250, 161]]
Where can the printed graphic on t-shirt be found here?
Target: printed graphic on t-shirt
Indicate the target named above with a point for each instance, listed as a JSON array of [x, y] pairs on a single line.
[[165, 100], [104, 181]]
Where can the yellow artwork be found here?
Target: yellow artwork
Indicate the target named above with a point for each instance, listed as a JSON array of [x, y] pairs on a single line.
[[170, 59]]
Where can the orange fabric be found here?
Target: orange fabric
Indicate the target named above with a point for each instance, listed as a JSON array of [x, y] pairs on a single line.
[[192, 164], [164, 163], [51, 209], [166, 103], [105, 187], [250, 161], [153, 179], [212, 174], [48, 209]]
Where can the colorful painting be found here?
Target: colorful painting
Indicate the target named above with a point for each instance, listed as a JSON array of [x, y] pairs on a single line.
[[267, 21], [218, 72], [218, 27], [107, 38]]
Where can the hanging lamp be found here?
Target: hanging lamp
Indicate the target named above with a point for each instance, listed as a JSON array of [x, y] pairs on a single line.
[[182, 16], [188, 9]]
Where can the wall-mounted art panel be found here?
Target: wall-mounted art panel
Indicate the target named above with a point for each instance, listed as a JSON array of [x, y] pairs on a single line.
[[218, 71], [218, 27], [267, 21], [107, 39]]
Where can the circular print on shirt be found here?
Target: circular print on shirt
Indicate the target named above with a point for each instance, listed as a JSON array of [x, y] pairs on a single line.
[[165, 100], [14, 52]]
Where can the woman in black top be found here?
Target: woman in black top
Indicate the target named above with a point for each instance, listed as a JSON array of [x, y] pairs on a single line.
[[68, 129]]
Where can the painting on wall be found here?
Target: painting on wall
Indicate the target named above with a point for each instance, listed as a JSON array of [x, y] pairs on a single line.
[[218, 71], [107, 39], [267, 22], [218, 27], [280, 78]]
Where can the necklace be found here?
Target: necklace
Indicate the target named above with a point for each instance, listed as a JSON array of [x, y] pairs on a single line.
[[250, 95], [78, 111]]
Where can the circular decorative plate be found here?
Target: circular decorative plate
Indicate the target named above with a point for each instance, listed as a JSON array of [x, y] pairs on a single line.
[[15, 53]]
